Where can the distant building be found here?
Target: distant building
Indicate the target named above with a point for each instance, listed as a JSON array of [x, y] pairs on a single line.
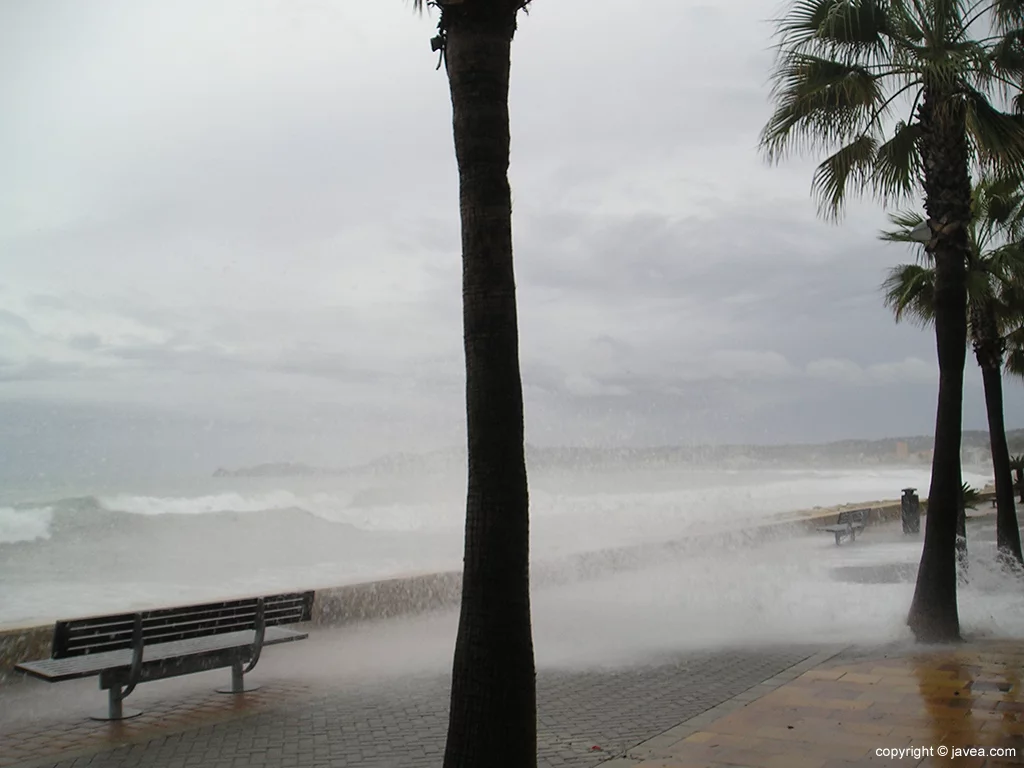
[[902, 452]]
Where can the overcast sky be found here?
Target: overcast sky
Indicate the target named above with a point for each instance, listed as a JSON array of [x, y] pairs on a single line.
[[245, 212]]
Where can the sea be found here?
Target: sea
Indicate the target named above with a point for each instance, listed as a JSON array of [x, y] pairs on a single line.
[[80, 549]]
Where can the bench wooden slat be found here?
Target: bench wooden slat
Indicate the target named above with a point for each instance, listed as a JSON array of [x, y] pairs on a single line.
[[123, 622], [165, 631], [56, 670], [101, 634]]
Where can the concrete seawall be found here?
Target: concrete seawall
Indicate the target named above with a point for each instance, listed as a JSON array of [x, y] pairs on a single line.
[[417, 593]]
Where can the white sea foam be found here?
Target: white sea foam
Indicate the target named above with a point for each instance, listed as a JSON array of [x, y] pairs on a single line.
[[199, 505], [398, 533], [679, 510], [785, 592], [24, 525], [335, 507]]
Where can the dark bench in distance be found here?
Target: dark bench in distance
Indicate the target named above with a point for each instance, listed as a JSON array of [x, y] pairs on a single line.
[[850, 521], [131, 648]]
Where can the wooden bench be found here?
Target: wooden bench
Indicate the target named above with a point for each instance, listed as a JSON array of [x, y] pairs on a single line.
[[131, 648], [850, 521]]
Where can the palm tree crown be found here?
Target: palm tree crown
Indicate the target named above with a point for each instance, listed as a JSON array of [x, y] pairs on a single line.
[[844, 65], [995, 267]]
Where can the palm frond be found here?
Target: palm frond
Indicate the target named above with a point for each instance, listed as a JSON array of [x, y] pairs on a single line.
[[906, 221], [980, 288], [819, 101], [909, 291], [851, 166], [1014, 363], [997, 198], [998, 137], [1007, 56], [997, 205], [833, 25], [842, 65], [970, 496], [1008, 14], [1009, 309], [897, 166]]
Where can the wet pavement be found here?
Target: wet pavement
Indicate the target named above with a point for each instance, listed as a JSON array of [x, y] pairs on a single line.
[[616, 687], [958, 706], [585, 715]]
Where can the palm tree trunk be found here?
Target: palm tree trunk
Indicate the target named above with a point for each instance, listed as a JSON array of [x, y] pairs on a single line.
[[493, 720], [933, 613], [1007, 530]]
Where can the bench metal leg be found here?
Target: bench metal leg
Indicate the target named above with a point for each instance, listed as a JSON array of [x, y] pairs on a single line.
[[238, 680], [115, 707]]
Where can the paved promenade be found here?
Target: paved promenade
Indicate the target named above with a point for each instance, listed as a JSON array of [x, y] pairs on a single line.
[[772, 709], [942, 707], [341, 717]]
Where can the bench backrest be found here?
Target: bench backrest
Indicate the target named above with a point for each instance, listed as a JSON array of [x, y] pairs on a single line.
[[80, 637], [853, 517]]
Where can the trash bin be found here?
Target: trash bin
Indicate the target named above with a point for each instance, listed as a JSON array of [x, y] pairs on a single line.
[[910, 511]]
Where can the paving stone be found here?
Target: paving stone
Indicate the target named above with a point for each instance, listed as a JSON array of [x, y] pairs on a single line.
[[403, 724]]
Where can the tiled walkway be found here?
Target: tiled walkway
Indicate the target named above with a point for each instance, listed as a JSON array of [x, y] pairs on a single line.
[[898, 707], [940, 707], [584, 715]]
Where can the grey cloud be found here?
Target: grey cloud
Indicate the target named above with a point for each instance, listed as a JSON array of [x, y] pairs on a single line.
[[14, 321], [267, 231], [38, 370], [86, 342]]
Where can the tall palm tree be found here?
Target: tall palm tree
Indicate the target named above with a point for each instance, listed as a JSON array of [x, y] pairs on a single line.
[[995, 275], [843, 67], [493, 717]]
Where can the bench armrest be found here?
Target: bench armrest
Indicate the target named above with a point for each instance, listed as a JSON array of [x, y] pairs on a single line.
[[136, 669], [261, 633]]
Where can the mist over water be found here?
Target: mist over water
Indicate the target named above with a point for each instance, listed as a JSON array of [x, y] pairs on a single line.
[[226, 536], [795, 590]]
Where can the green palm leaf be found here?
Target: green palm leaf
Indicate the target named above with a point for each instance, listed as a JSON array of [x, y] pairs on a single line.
[[909, 291], [897, 163], [1014, 365], [1009, 14], [998, 137], [995, 270], [836, 24], [820, 101], [854, 162], [844, 66]]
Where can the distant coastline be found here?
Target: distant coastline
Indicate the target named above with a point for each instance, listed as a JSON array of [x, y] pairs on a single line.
[[894, 451]]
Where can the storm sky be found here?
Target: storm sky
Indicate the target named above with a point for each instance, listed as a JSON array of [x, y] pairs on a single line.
[[231, 228]]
